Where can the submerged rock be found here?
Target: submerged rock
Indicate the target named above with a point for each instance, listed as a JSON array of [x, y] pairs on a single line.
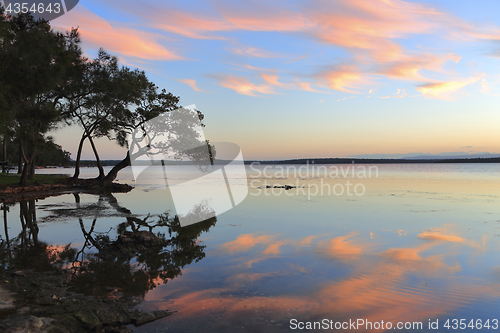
[[32, 324], [44, 304], [6, 300], [286, 187]]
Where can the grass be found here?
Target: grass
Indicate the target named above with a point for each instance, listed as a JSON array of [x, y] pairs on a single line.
[[13, 179]]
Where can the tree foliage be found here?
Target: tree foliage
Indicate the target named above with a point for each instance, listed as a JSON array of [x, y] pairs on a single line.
[[49, 154], [109, 101], [35, 63], [45, 82]]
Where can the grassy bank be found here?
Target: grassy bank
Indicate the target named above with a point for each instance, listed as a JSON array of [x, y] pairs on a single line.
[[12, 180]]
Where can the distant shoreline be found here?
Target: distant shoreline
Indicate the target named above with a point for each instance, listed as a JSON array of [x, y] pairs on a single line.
[[376, 161], [342, 160]]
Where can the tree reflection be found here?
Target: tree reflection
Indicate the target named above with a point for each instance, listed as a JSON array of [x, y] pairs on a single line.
[[25, 251], [142, 253]]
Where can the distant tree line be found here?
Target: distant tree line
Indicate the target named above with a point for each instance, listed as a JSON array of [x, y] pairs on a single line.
[[49, 154], [46, 82]]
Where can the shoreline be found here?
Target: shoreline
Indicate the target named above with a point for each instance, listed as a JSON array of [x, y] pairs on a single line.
[[15, 192]]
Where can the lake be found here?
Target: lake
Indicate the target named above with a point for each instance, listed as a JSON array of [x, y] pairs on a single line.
[[396, 244]]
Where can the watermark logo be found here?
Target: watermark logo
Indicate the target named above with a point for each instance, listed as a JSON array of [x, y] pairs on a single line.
[[205, 179], [310, 180], [46, 9]]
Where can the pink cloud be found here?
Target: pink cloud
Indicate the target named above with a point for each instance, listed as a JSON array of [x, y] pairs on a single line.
[[445, 90], [274, 248], [370, 30], [191, 25], [343, 78], [253, 52], [379, 290], [243, 86], [245, 242], [410, 67], [97, 32], [273, 79], [191, 83]]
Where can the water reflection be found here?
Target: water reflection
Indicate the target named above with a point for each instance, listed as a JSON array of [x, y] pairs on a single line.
[[25, 251], [269, 279], [139, 254], [406, 251]]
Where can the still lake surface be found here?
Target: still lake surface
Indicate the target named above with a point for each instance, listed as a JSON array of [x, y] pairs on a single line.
[[401, 243]]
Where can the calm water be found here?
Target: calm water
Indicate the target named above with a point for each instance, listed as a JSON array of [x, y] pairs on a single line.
[[404, 243]]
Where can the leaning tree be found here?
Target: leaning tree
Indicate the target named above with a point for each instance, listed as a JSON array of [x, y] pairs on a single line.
[[101, 97]]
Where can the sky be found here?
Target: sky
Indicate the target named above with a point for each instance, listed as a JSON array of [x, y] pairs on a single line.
[[312, 78]]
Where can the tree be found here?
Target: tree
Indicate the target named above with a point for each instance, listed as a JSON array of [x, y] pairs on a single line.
[[100, 98], [53, 154], [108, 99], [49, 153], [5, 113], [34, 64], [156, 130], [112, 101], [50, 81]]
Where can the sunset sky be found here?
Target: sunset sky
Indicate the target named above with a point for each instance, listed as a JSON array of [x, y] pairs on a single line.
[[288, 79]]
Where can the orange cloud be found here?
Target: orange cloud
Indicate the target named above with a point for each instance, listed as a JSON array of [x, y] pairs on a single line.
[[273, 79], [341, 247], [442, 234], [444, 90], [253, 52], [244, 278], [243, 86], [438, 236], [306, 86], [406, 254], [383, 288], [190, 25], [355, 25], [250, 263], [409, 67], [191, 83], [274, 248], [370, 30], [246, 242], [97, 32], [307, 241], [343, 79], [266, 18]]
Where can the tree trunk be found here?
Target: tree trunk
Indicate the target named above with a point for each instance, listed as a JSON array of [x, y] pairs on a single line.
[[88, 235], [27, 166], [27, 209], [20, 160], [98, 160], [114, 172], [31, 173], [4, 153], [24, 175], [78, 156], [33, 224], [5, 209]]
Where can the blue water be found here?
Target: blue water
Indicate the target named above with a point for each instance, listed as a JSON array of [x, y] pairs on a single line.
[[421, 244]]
